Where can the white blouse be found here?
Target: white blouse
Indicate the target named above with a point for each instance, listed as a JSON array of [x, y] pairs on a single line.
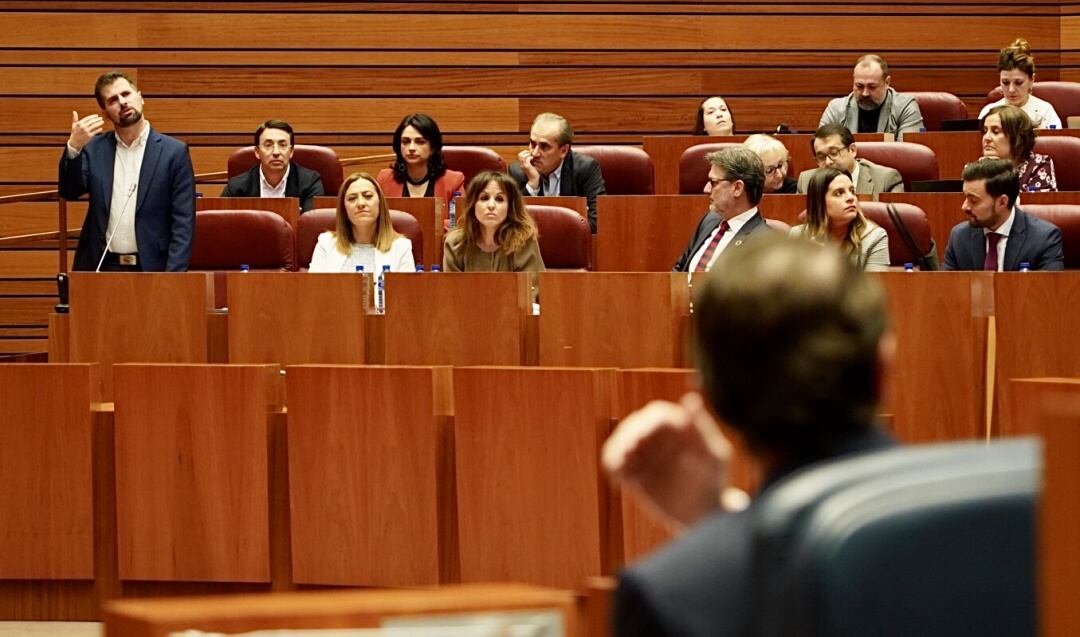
[[327, 257]]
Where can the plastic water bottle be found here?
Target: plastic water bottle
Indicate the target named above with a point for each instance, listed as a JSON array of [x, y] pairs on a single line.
[[419, 267], [380, 291], [359, 269], [436, 268], [453, 209], [909, 267], [245, 267], [1053, 126], [1025, 266]]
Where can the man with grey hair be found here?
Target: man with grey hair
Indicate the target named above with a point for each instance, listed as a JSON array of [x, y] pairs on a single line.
[[736, 183], [550, 168], [873, 106]]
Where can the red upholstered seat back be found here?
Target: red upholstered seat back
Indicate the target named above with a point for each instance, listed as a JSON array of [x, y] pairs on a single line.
[[694, 168], [1067, 218], [936, 106], [471, 160], [321, 159], [227, 239], [627, 170], [315, 222], [1065, 151], [914, 220], [565, 240], [1064, 96], [915, 162]]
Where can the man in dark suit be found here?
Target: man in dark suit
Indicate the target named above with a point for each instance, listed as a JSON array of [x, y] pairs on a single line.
[[999, 236], [736, 183], [141, 185], [276, 175], [791, 342], [550, 168]]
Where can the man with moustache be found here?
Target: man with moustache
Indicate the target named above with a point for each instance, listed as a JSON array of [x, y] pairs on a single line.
[[873, 106], [141, 185], [998, 236]]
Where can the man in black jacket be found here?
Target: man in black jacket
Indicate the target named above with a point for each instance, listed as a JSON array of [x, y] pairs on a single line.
[[276, 175]]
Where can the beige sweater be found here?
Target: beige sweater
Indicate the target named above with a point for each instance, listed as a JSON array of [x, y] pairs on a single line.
[[461, 256]]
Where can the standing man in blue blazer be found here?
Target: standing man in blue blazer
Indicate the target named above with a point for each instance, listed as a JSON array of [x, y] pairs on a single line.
[[998, 235], [141, 185]]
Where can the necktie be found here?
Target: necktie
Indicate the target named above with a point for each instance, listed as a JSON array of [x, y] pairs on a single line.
[[706, 255], [543, 184], [991, 261]]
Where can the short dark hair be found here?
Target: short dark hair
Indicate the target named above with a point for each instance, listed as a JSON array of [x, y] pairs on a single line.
[[427, 127], [828, 130], [106, 79], [276, 124], [1000, 175], [1017, 127], [742, 164], [787, 337]]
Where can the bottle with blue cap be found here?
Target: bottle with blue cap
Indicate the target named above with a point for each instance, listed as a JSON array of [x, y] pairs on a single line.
[[419, 267], [909, 267], [452, 216], [1025, 266], [380, 291], [436, 268], [245, 267]]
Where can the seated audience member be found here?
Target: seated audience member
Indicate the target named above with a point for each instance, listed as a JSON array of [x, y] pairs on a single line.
[[873, 106], [832, 213], [364, 235], [736, 182], [1016, 71], [276, 175], [1008, 134], [714, 118], [495, 234], [792, 346], [774, 155], [549, 167], [998, 235], [834, 145], [419, 170]]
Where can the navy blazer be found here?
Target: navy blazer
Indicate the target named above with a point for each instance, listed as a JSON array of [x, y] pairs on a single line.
[[301, 183], [580, 176], [705, 227], [1031, 240], [164, 208]]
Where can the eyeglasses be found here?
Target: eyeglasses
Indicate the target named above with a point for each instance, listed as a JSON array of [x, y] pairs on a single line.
[[713, 183], [269, 145], [832, 153], [780, 166]]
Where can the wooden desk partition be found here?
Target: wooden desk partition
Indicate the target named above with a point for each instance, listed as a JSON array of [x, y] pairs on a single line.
[[938, 388], [120, 317], [46, 495], [645, 234], [531, 500], [293, 318], [954, 149], [340, 609], [370, 464], [1036, 316], [287, 207], [456, 319], [191, 471], [613, 319]]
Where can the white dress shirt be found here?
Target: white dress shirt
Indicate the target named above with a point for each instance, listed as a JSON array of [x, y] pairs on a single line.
[[734, 225], [552, 183], [268, 191]]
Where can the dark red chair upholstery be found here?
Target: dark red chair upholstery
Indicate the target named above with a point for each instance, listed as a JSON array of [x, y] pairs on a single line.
[[627, 170], [315, 222], [321, 159], [1064, 96], [914, 220], [694, 168], [1065, 151], [471, 160], [565, 240], [915, 162], [936, 106], [227, 239], [1067, 218]]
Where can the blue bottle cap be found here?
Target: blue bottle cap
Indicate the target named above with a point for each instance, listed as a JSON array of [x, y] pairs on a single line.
[[244, 267], [359, 268]]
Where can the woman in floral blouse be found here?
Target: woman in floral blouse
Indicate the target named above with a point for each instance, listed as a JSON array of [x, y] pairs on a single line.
[[1008, 134]]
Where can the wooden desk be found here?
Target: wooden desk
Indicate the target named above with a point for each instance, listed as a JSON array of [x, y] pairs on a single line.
[[287, 207], [956, 148], [192, 491], [613, 319], [531, 501], [290, 317]]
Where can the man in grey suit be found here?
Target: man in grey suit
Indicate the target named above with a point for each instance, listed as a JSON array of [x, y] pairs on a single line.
[[550, 168], [998, 236], [833, 144], [873, 106], [736, 183]]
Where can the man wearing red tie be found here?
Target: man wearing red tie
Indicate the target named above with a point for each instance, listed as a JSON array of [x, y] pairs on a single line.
[[736, 182]]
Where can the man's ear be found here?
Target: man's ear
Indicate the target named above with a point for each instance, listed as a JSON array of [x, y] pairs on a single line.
[[853, 149]]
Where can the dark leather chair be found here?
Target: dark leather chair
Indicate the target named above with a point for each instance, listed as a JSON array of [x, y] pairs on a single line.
[[915, 162], [227, 239], [936, 106], [315, 222], [934, 540], [1067, 218], [914, 220], [627, 170], [694, 168], [471, 160], [565, 240], [1064, 96], [321, 159], [1065, 151]]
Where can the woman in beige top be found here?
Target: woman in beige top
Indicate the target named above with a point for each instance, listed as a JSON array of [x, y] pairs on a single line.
[[496, 234]]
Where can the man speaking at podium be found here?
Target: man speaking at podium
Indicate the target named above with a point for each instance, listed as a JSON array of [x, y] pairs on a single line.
[[141, 184]]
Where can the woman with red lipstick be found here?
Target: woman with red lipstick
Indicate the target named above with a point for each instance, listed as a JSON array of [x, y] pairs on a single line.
[[419, 170], [1009, 134], [832, 214], [714, 118], [496, 233]]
